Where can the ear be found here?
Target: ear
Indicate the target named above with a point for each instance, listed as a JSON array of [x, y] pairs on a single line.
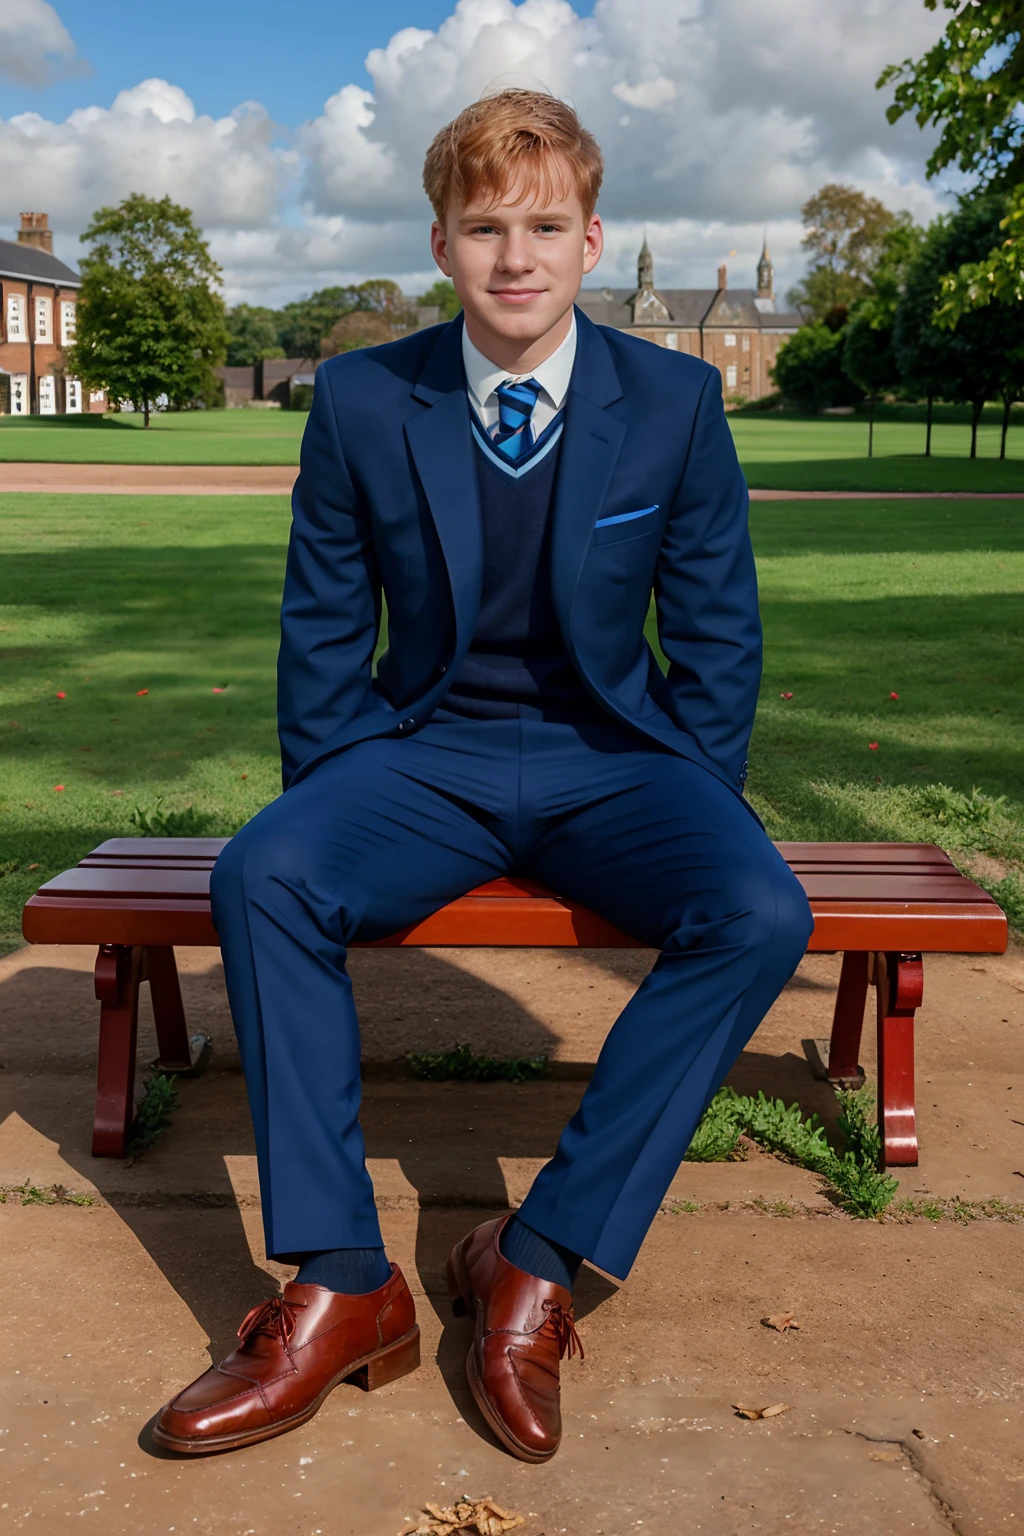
[[593, 243], [439, 247]]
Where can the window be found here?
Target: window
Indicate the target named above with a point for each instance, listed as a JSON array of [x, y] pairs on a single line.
[[47, 395], [19, 394], [730, 338], [672, 340], [68, 322], [746, 343], [16, 317], [44, 320], [72, 396], [97, 397], [730, 375]]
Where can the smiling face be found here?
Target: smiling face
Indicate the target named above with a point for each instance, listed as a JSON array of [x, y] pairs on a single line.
[[517, 266]]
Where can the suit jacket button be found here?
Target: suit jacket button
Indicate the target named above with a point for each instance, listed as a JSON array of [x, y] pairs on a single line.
[[406, 725], [442, 669]]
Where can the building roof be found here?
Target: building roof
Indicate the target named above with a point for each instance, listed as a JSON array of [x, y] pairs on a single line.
[[33, 265], [688, 308]]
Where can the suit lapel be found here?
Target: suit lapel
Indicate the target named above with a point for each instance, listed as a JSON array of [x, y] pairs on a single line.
[[442, 449], [590, 448]]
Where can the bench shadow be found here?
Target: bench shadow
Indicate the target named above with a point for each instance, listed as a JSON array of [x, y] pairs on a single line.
[[179, 1200]]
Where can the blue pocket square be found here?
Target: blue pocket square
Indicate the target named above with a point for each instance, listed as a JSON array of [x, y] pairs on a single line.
[[625, 517]]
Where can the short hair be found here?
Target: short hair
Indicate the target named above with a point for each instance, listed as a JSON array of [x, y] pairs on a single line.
[[515, 133]]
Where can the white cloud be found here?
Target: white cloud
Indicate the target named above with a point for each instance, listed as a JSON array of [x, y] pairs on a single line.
[[35, 45], [150, 140], [716, 117]]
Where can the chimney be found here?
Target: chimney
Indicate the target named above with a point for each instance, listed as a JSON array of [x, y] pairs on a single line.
[[35, 230], [723, 278]]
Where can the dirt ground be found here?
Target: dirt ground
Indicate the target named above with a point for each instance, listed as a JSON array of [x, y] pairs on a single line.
[[904, 1378]]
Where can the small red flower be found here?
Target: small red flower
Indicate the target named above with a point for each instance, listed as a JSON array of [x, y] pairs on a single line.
[[117, 791], [140, 692], [894, 695], [218, 690], [785, 695], [872, 746], [57, 788], [62, 695]]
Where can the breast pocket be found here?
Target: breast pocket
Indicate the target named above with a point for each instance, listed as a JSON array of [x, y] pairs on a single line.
[[626, 525]]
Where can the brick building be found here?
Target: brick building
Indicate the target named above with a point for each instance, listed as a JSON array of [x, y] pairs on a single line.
[[38, 299], [737, 329]]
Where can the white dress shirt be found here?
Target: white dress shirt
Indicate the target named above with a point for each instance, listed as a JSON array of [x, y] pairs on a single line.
[[483, 378]]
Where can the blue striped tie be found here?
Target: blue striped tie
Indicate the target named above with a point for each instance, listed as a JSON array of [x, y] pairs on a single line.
[[516, 400]]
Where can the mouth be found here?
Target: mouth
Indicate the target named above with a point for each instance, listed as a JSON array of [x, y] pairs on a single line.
[[516, 295]]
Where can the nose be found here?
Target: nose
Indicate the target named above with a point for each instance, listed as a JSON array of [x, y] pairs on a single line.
[[514, 255]]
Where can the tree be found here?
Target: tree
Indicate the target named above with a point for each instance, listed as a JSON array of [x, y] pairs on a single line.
[[869, 360], [441, 295], [809, 369], [150, 322], [846, 233], [252, 335], [869, 353], [359, 328], [974, 362], [972, 82], [306, 323]]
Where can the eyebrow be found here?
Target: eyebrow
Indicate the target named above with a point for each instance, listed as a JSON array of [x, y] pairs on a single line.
[[543, 216]]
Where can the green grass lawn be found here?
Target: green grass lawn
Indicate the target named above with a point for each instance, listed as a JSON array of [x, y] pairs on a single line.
[[179, 597], [778, 452], [179, 437]]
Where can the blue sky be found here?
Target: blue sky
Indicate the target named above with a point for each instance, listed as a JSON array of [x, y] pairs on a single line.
[[288, 54], [717, 118]]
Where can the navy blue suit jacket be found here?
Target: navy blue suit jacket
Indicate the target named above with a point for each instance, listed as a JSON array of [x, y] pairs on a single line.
[[386, 502]]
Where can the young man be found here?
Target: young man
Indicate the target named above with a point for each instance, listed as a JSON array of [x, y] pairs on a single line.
[[515, 484]]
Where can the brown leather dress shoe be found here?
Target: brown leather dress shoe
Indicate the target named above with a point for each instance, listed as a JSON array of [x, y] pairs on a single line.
[[523, 1328], [294, 1350]]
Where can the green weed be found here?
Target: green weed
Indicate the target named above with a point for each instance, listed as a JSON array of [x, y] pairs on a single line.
[[159, 1101], [861, 1188], [153, 820], [32, 1194], [462, 1065]]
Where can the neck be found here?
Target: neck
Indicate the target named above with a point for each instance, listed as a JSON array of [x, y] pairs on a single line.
[[517, 355]]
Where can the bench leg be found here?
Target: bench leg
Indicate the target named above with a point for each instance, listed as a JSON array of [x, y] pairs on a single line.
[[168, 1011], [848, 1020], [899, 984], [117, 976]]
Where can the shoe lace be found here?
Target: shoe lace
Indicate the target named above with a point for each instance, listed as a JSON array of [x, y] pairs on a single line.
[[564, 1328], [275, 1316]]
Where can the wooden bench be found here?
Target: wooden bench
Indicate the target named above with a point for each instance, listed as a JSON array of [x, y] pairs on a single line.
[[882, 904]]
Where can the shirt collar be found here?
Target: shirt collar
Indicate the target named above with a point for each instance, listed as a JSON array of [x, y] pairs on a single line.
[[553, 374]]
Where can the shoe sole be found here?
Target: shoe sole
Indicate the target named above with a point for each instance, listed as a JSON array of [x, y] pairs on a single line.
[[463, 1305], [369, 1373]]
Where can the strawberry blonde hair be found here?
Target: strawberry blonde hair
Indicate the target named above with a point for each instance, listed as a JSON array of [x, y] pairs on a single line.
[[514, 135]]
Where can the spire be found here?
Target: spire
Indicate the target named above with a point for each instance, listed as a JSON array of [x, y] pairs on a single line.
[[645, 267], [765, 272]]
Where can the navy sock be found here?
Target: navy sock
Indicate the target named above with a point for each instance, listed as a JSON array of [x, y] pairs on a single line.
[[350, 1271], [538, 1255]]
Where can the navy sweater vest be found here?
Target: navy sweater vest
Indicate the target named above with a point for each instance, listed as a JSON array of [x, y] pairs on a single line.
[[517, 664]]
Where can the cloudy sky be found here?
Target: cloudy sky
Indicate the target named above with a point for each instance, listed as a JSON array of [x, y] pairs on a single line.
[[296, 132]]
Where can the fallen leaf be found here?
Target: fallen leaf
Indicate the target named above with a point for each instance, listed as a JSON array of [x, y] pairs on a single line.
[[785, 695], [746, 1412], [140, 691], [477, 1517], [33, 866], [886, 1456], [781, 1321]]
